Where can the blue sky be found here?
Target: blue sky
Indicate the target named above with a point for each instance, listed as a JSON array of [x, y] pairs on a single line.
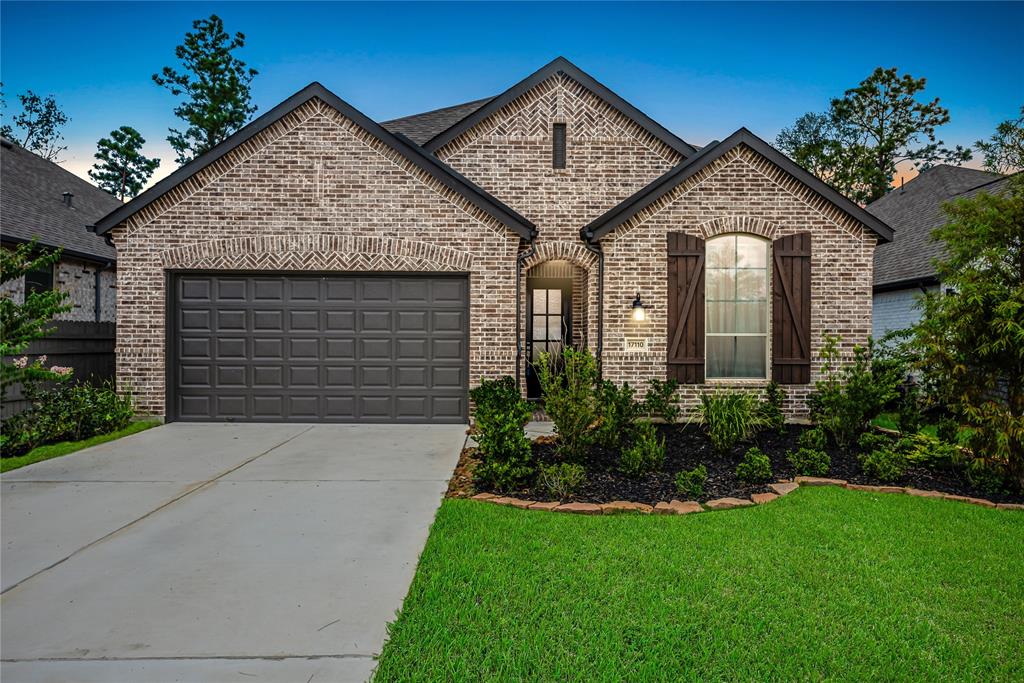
[[702, 70]]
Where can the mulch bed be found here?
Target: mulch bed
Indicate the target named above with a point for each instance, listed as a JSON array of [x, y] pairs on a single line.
[[687, 446]]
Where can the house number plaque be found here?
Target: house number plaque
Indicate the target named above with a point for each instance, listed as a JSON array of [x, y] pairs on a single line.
[[636, 344]]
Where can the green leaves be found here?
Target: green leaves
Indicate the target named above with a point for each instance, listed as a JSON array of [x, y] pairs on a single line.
[[121, 168], [1004, 150]]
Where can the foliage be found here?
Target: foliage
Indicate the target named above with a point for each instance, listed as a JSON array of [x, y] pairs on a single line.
[[970, 339], [62, 448], [690, 483], [932, 452], [569, 399], [809, 462], [68, 412], [38, 126], [771, 407], [755, 468], [729, 418], [499, 417], [660, 400], [562, 479], [646, 453], [856, 145], [616, 408], [215, 85], [884, 464], [850, 395], [1004, 151], [814, 438], [121, 168], [26, 322]]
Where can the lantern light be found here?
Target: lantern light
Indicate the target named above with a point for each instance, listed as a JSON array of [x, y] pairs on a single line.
[[639, 313]]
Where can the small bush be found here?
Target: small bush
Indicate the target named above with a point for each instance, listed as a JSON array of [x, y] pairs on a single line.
[[562, 479], [771, 407], [809, 462], [884, 464], [661, 400], [499, 418], [814, 438], [948, 430], [569, 399], [645, 454], [729, 418], [872, 441], [617, 408], [690, 483], [931, 452], [755, 468]]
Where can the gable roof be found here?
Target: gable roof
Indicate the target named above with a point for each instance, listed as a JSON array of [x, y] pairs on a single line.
[[408, 149], [32, 205], [618, 215], [914, 211], [563, 66], [421, 127]]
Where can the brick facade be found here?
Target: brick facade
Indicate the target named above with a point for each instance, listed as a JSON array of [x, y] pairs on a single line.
[[77, 278]]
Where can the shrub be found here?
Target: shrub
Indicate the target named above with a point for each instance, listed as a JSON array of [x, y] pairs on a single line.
[[810, 462], [730, 417], [617, 409], [755, 468], [929, 451], [771, 407], [872, 441], [948, 430], [645, 454], [661, 400], [690, 483], [814, 438], [562, 479], [569, 399], [499, 418], [884, 464]]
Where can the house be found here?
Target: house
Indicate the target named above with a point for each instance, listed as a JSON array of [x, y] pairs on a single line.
[[318, 265], [42, 201], [905, 267]]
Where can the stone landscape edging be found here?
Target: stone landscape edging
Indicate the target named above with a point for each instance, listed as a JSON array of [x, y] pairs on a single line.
[[677, 507]]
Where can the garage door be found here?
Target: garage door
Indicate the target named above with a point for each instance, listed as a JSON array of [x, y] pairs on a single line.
[[319, 348]]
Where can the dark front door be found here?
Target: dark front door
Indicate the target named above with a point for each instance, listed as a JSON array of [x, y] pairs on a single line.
[[548, 323], [331, 348]]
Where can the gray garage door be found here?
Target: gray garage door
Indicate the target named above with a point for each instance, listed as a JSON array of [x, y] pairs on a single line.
[[319, 348]]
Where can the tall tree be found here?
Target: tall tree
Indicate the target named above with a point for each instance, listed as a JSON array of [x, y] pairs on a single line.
[[215, 85], [1004, 151], [37, 126], [121, 168]]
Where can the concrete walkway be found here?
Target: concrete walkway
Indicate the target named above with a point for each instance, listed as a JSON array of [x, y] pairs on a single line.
[[217, 552]]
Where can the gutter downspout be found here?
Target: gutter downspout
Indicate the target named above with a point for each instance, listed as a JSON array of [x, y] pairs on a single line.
[[520, 260], [595, 247]]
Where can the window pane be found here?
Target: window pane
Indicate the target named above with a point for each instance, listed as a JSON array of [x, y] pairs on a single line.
[[554, 327], [720, 285], [736, 357], [752, 284], [721, 252], [720, 356], [751, 318], [720, 316], [554, 301], [751, 252], [539, 327], [39, 280], [750, 357], [540, 301]]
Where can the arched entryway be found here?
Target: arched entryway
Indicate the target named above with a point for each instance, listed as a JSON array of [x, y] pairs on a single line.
[[556, 313]]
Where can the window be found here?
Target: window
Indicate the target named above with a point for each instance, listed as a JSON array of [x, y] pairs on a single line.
[[547, 324], [39, 280], [736, 300], [558, 145]]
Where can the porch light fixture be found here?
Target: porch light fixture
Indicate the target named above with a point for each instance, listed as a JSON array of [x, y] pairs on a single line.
[[639, 313]]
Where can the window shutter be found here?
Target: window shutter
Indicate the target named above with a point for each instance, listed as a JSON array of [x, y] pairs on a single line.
[[685, 308], [791, 309]]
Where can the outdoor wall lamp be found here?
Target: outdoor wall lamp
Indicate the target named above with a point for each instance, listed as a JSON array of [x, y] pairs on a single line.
[[639, 313]]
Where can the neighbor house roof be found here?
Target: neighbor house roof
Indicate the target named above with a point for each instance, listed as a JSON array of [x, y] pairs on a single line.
[[661, 186], [914, 210], [32, 205], [557, 66], [422, 127], [401, 144]]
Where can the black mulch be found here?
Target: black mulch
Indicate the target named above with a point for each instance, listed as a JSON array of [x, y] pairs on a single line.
[[687, 446]]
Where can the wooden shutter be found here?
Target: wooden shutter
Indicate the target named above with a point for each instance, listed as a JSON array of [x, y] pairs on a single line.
[[791, 309], [685, 308]]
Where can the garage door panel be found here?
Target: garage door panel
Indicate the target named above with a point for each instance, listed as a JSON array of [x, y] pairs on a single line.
[[309, 348]]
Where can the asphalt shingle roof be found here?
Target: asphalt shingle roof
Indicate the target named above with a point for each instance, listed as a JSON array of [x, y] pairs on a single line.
[[422, 127], [32, 204], [913, 212]]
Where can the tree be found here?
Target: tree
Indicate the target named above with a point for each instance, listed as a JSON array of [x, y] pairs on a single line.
[[122, 170], [215, 84], [970, 340], [37, 126], [1004, 151], [28, 321], [858, 142]]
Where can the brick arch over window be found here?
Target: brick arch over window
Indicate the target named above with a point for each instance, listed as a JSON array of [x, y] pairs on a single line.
[[317, 252], [574, 252], [727, 224], [586, 287]]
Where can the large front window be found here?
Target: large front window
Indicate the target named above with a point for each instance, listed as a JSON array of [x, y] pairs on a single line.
[[736, 297]]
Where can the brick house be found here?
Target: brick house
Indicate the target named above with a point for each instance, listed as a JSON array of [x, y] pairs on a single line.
[[321, 266]]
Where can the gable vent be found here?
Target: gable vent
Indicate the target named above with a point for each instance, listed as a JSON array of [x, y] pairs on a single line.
[[558, 145]]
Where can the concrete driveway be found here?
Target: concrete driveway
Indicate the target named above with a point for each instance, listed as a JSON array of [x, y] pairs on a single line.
[[217, 552]]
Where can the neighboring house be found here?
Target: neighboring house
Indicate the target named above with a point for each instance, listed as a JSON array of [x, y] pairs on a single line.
[[904, 268], [42, 201], [318, 265]]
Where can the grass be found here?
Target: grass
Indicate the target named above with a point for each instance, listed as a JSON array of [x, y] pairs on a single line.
[[822, 584], [56, 450]]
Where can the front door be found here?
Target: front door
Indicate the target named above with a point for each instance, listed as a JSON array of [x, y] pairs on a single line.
[[548, 324]]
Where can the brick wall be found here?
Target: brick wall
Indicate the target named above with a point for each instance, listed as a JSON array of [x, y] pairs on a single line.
[[77, 278]]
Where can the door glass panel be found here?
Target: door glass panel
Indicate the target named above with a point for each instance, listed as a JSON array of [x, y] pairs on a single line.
[[540, 301], [539, 327], [554, 301]]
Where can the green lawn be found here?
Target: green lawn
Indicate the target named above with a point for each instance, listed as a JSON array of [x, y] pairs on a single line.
[[822, 584], [55, 450]]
